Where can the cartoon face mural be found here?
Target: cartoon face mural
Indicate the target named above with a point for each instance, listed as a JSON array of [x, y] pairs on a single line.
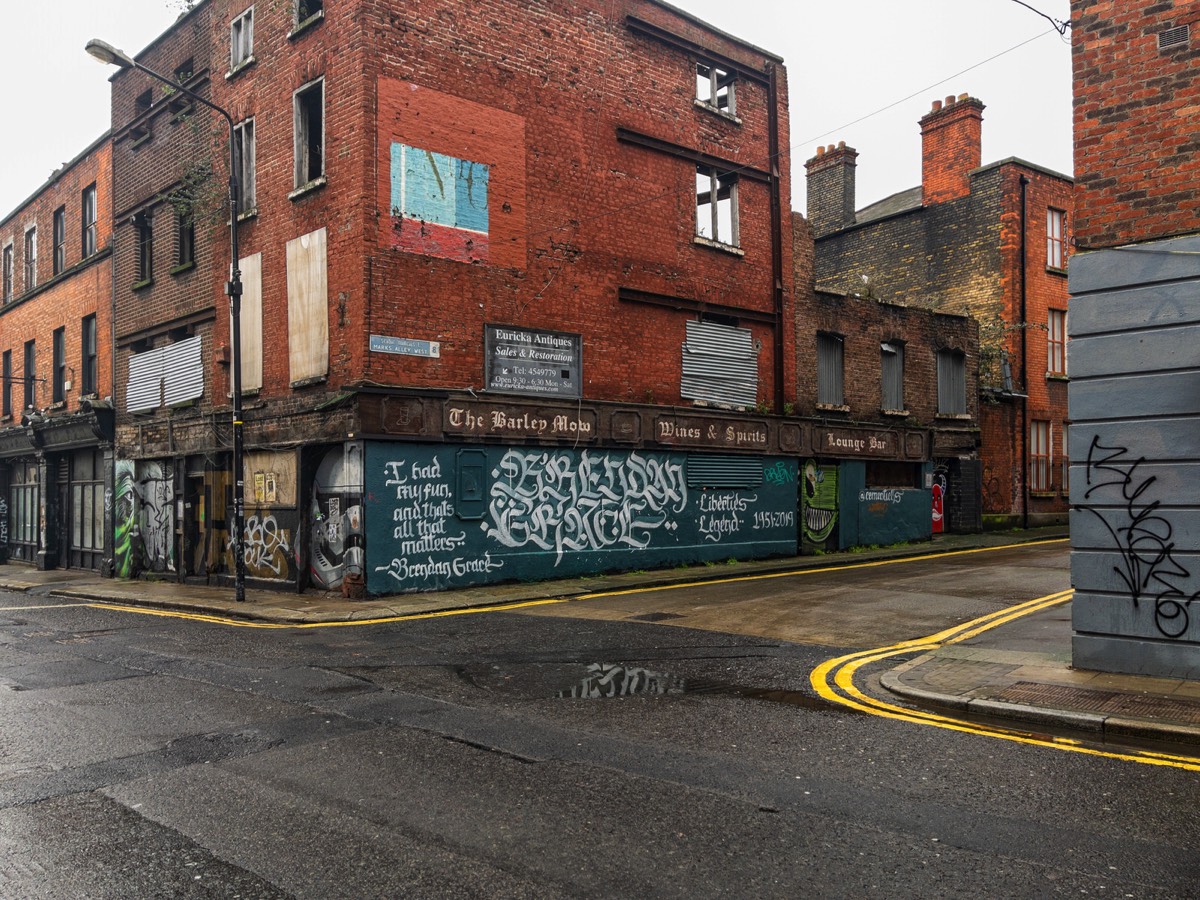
[[336, 511], [820, 502], [939, 501]]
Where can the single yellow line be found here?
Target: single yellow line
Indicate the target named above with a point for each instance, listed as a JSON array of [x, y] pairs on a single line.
[[842, 690]]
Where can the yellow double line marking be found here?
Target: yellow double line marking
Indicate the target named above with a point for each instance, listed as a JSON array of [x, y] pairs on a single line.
[[833, 680]]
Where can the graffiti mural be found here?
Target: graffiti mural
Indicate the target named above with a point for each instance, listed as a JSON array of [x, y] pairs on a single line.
[[336, 512], [820, 501], [939, 501], [3, 527], [144, 518], [523, 514], [266, 547], [1143, 539], [606, 680], [563, 501]]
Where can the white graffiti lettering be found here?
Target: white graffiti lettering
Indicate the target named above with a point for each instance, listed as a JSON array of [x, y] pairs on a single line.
[[880, 496], [402, 569], [559, 502], [266, 546]]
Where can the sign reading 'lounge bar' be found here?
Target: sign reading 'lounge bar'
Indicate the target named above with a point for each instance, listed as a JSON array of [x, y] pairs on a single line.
[[857, 442]]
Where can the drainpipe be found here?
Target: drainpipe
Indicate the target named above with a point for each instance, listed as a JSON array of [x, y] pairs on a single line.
[[776, 236], [1024, 356]]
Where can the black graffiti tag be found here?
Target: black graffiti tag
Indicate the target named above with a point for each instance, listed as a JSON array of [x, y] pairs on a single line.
[[1143, 538]]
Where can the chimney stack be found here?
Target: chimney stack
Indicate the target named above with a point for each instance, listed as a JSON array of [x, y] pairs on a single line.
[[951, 148], [831, 188]]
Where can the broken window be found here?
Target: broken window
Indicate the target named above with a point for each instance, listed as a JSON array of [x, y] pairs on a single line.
[[241, 40], [307, 9], [714, 87], [716, 205], [309, 105], [720, 365], [140, 130]]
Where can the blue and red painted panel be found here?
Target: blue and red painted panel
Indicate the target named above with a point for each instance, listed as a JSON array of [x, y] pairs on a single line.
[[441, 204]]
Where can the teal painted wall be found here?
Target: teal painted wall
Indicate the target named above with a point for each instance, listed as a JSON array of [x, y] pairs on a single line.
[[440, 517], [880, 515]]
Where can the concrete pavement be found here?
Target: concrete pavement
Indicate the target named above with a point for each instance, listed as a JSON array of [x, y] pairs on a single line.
[[1017, 671]]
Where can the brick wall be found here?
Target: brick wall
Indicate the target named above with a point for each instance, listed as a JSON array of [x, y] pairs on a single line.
[[1137, 121], [81, 289]]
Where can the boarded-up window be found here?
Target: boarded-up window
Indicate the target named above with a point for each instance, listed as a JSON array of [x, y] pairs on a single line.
[[308, 307], [165, 376], [830, 360], [720, 365], [952, 383], [891, 358], [251, 322]]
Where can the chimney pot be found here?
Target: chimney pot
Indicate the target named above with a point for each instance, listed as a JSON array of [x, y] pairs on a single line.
[[821, 150], [937, 104], [841, 145], [962, 97], [950, 100]]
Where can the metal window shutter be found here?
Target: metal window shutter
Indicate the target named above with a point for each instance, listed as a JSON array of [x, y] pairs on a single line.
[[720, 365], [144, 388], [184, 371], [724, 471]]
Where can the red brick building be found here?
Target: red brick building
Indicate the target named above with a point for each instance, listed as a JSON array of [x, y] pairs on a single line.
[[985, 240], [1135, 325], [501, 266], [56, 416], [883, 466]]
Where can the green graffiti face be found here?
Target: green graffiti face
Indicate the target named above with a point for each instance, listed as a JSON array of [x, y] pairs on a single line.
[[820, 501], [124, 520]]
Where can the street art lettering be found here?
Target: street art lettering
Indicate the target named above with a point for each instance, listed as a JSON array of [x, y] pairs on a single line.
[[3, 522], [567, 503], [820, 501], [1143, 538], [265, 547], [423, 525], [143, 518], [780, 473], [607, 680], [722, 513], [439, 204], [877, 496]]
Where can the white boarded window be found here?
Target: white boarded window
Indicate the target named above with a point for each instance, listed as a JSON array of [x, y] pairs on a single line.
[[720, 365], [250, 322], [165, 376], [308, 307]]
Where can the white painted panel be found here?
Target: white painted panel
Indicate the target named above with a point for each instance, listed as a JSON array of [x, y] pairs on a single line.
[[251, 321], [308, 306]]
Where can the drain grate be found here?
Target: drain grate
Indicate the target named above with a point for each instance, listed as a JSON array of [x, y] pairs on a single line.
[[1111, 702], [655, 617]]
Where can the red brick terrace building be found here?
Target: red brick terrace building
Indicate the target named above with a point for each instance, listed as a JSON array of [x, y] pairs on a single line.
[[990, 241], [516, 294], [56, 416]]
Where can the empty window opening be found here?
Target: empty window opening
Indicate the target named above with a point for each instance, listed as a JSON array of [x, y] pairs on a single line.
[[716, 205], [310, 133], [241, 39], [715, 87]]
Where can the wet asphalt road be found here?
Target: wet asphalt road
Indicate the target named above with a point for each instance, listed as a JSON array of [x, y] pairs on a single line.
[[151, 757]]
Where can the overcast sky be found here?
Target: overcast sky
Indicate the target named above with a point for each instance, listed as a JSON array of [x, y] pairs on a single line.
[[846, 60]]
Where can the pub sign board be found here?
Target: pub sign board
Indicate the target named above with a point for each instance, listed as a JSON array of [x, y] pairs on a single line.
[[533, 362]]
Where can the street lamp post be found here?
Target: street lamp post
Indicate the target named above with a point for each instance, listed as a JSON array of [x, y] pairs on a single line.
[[110, 55]]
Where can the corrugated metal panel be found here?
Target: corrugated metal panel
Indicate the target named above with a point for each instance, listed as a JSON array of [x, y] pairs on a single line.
[[184, 370], [892, 365], [724, 471], [952, 383], [830, 366], [308, 306], [143, 391], [720, 365]]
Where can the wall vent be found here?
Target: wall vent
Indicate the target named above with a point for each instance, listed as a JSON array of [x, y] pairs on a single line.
[[1173, 37]]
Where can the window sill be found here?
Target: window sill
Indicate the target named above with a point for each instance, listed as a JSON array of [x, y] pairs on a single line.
[[1057, 376], [309, 382], [716, 111], [140, 139], [306, 25], [246, 214], [179, 113], [833, 407], [895, 412], [701, 241], [1043, 495], [240, 67], [1055, 270], [305, 189], [142, 285], [57, 404], [182, 267], [954, 417]]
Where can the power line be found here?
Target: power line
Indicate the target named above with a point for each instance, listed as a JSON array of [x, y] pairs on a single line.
[[1059, 25]]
